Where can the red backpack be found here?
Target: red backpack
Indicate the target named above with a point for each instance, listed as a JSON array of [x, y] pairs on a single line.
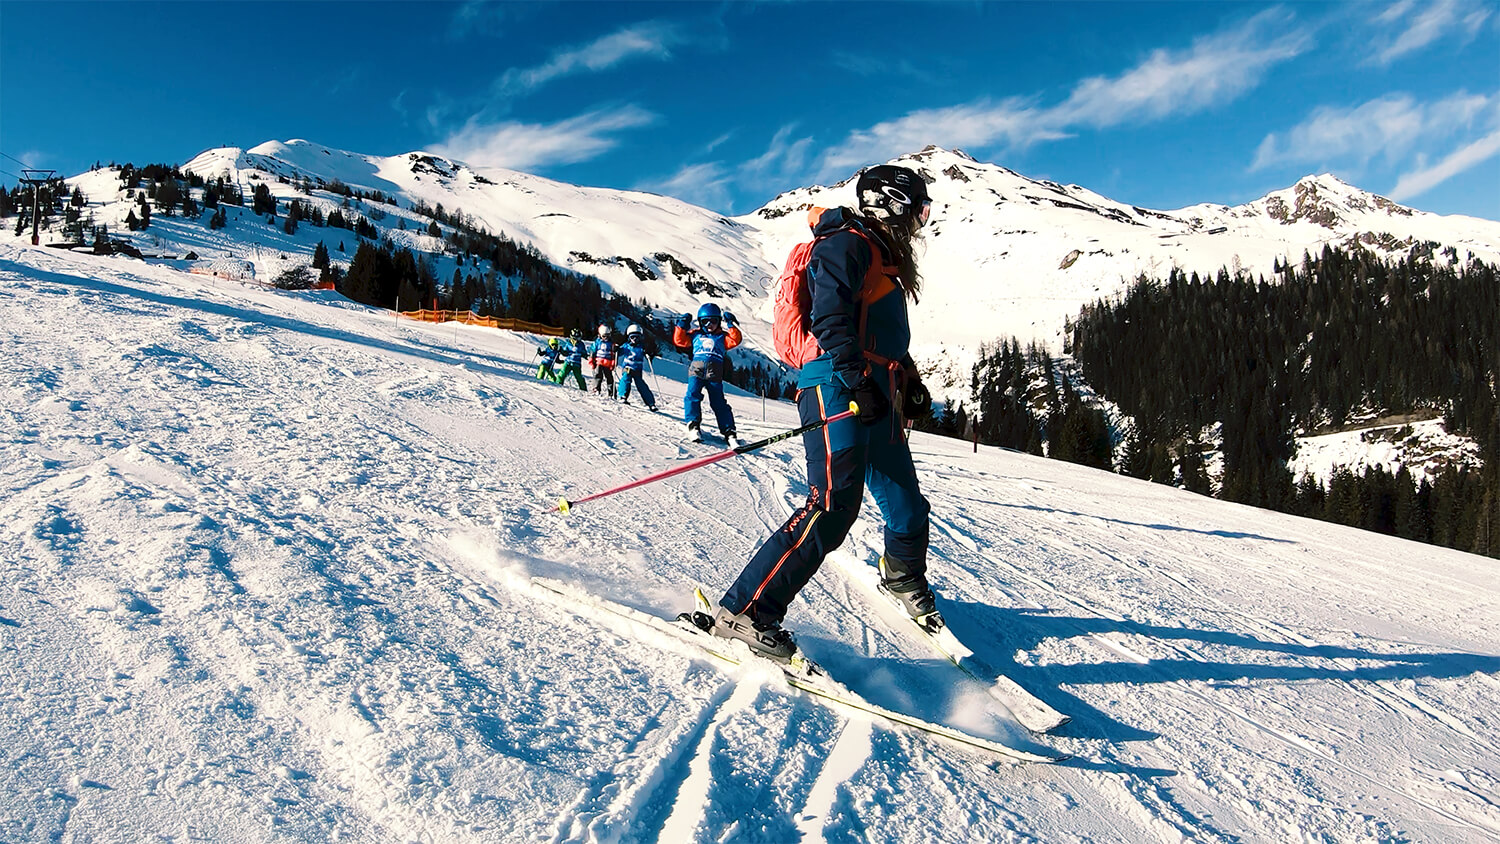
[[791, 327]]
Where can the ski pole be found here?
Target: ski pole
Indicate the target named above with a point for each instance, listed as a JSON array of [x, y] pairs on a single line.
[[564, 505], [654, 379]]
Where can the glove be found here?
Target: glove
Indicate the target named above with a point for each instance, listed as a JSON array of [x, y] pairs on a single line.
[[873, 405], [685, 322], [729, 319], [917, 403]]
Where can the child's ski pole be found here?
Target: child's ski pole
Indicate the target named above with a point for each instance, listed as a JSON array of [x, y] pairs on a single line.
[[564, 505], [654, 379]]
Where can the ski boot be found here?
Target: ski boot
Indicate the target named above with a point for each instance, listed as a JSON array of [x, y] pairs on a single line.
[[916, 598], [767, 640], [694, 434], [732, 439]]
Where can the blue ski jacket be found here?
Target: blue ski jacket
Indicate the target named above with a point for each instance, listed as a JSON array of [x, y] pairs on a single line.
[[602, 353], [632, 357], [708, 349], [836, 274]]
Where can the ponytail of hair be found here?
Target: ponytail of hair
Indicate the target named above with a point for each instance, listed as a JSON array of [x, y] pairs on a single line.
[[898, 246]]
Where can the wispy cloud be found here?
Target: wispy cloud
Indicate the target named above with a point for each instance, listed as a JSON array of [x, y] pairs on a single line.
[[881, 67], [784, 158], [1389, 128], [714, 184], [652, 39], [981, 124], [1398, 131], [1419, 24], [525, 146], [487, 17], [1422, 180], [708, 184], [1214, 70]]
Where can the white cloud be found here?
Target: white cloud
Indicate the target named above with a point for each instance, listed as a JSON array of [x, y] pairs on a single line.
[[1397, 130], [524, 146], [1420, 181], [650, 39], [714, 184], [707, 184], [978, 124], [783, 159], [1389, 128], [486, 18], [1419, 25], [1215, 69]]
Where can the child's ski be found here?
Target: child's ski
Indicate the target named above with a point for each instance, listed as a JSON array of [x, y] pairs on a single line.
[[802, 674]]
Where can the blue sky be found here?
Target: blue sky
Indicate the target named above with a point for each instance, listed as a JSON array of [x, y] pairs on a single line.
[[727, 104]]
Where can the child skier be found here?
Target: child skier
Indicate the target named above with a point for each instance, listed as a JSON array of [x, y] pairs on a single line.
[[602, 358], [632, 359], [709, 344], [550, 356], [574, 364]]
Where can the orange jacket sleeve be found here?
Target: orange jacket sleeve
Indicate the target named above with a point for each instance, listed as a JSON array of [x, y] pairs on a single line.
[[681, 339], [732, 337]]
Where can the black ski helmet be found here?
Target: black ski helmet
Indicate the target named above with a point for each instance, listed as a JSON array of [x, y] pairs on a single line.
[[891, 193]]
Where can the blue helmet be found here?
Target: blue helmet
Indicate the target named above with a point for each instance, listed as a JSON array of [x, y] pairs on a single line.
[[709, 313]]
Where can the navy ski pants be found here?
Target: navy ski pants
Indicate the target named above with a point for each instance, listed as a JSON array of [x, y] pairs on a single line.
[[842, 459]]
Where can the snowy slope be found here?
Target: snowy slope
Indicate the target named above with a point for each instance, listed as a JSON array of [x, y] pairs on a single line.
[[265, 565]]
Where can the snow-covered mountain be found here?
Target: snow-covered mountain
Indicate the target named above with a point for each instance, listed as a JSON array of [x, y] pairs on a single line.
[[643, 245], [264, 577], [1005, 255]]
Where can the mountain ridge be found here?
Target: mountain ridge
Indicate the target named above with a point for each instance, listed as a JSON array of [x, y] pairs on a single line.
[[1006, 255]]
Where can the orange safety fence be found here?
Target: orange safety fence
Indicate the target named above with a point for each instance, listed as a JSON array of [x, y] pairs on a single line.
[[471, 318]]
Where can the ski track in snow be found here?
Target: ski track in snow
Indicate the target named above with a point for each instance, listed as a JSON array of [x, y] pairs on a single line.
[[266, 578]]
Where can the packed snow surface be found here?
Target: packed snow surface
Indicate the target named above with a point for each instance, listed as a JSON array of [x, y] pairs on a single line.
[[266, 566]]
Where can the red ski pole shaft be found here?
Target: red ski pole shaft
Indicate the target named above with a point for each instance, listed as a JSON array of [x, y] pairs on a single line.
[[565, 505]]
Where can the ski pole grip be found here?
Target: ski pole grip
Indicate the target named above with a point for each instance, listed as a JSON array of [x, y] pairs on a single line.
[[854, 408]]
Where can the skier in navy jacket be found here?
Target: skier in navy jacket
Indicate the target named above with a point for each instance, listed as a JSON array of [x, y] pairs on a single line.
[[861, 274], [709, 342]]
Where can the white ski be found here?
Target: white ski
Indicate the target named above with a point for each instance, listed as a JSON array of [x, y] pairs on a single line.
[[803, 675], [1032, 712]]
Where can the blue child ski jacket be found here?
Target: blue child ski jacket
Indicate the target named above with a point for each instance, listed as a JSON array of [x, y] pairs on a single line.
[[602, 353], [708, 349], [632, 357]]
